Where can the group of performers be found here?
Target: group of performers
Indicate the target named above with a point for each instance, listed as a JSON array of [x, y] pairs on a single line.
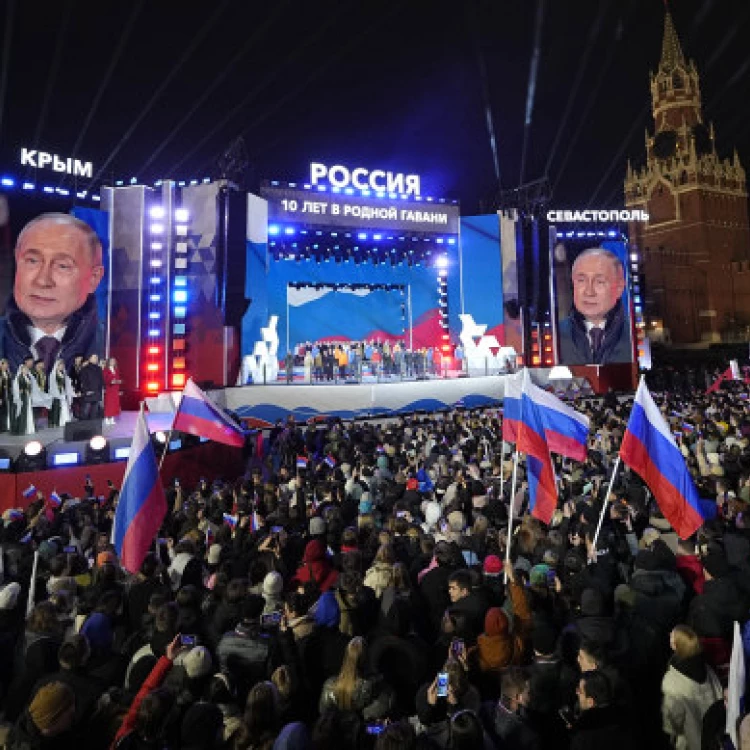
[[33, 396]]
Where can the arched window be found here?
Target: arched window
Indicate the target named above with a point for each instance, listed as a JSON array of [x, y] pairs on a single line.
[[676, 80]]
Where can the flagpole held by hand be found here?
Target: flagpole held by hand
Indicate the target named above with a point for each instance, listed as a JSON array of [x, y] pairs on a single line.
[[606, 501], [32, 586], [510, 510]]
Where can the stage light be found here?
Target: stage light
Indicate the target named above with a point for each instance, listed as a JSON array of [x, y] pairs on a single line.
[[152, 387], [152, 367], [154, 349], [180, 280], [156, 263], [154, 315], [178, 380], [179, 296], [157, 229], [157, 246], [48, 189], [122, 453], [442, 262], [7, 182], [322, 188], [66, 459], [634, 257], [160, 437], [29, 186], [273, 229], [97, 450], [156, 212], [156, 279], [32, 458], [289, 231], [154, 332], [81, 194], [155, 297], [179, 312], [377, 236], [96, 198]]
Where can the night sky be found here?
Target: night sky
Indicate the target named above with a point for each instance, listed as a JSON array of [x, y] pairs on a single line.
[[394, 84]]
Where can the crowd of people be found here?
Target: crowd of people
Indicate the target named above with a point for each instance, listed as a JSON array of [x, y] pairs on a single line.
[[37, 397], [329, 361], [375, 599]]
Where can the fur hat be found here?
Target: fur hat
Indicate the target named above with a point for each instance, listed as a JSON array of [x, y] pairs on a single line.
[[317, 526], [273, 584], [456, 521], [197, 662], [50, 703]]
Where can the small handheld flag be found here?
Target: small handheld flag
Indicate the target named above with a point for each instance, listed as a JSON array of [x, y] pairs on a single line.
[[29, 492], [198, 415], [54, 499], [254, 522], [301, 462], [230, 520], [330, 461]]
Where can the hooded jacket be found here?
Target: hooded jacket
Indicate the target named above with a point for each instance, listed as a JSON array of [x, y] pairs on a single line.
[[713, 612], [83, 334], [500, 645], [315, 566], [689, 689]]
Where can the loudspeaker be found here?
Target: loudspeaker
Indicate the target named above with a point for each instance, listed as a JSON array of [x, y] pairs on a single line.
[[85, 429]]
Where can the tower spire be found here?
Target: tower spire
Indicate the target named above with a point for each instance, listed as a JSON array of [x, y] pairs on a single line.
[[671, 50]]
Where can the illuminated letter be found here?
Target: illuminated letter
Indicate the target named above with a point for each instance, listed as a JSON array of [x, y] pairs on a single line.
[[44, 158], [412, 184], [338, 176], [27, 157], [317, 171], [377, 174], [83, 168], [395, 183], [359, 184]]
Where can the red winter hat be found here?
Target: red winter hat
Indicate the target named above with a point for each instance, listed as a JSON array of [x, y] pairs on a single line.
[[412, 484], [493, 565]]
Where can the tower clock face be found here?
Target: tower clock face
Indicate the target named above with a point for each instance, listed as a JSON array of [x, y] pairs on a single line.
[[702, 139], [665, 144]]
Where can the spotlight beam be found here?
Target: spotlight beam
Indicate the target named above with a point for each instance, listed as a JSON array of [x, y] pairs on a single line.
[[290, 95], [241, 52], [186, 55], [124, 36], [10, 10], [594, 32], [531, 88]]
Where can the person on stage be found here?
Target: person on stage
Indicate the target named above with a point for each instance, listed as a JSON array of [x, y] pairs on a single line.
[[62, 393], [74, 373], [309, 362], [23, 389], [112, 383], [92, 387], [6, 389]]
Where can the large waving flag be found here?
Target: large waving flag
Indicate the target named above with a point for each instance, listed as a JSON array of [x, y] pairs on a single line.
[[512, 407], [533, 442], [141, 506], [565, 429], [198, 415], [736, 686], [649, 448]]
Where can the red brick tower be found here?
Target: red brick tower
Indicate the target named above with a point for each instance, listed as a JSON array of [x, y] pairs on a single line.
[[696, 244]]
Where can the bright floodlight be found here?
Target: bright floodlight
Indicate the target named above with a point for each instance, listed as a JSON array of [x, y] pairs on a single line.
[[161, 437], [560, 372], [442, 262], [98, 442], [156, 212], [34, 448], [181, 215]]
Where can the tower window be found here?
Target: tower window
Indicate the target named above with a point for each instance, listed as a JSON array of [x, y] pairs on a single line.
[[676, 80]]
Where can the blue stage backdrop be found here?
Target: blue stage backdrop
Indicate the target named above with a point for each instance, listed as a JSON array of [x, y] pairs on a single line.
[[363, 313]]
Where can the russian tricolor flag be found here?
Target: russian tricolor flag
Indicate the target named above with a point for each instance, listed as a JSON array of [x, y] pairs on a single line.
[[301, 462], [54, 499], [29, 492], [532, 441], [330, 461], [649, 448], [142, 506], [230, 520], [198, 415], [254, 522], [566, 430]]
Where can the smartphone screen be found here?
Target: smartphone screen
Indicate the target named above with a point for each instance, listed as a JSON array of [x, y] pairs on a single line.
[[442, 685], [188, 640], [457, 647], [375, 727], [270, 620]]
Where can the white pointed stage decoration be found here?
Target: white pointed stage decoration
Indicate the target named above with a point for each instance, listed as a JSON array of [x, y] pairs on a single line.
[[483, 353], [263, 364]]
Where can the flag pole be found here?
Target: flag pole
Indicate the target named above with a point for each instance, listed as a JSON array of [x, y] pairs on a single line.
[[510, 510], [606, 500], [166, 443], [32, 586]]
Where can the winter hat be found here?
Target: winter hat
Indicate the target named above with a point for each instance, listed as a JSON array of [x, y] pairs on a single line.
[[646, 560], [544, 638], [214, 554], [317, 526], [197, 662], [496, 622], [412, 484], [523, 565], [293, 736], [493, 566], [625, 595], [273, 584], [538, 575], [106, 558], [591, 603], [431, 513], [98, 630], [716, 565], [9, 595], [50, 703], [327, 613], [201, 725], [456, 521]]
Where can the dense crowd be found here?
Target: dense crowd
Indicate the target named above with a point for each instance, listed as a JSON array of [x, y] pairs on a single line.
[[366, 601]]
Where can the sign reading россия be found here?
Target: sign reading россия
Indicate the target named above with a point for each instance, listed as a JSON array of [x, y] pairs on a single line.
[[31, 157], [292, 206], [359, 178], [599, 215]]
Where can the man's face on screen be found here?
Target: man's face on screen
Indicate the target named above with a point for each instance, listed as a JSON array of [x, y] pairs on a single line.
[[598, 283], [55, 272]]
